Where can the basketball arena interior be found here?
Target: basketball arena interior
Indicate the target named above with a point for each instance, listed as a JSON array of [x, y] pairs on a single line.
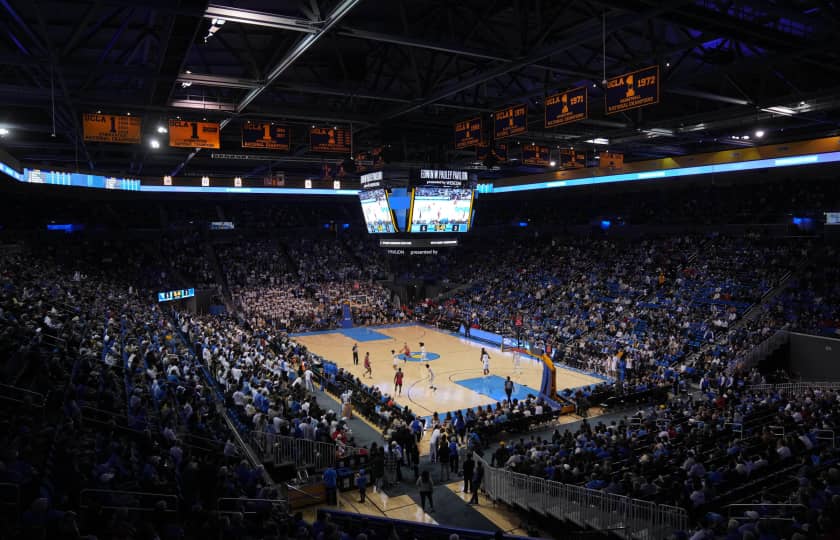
[[420, 270]]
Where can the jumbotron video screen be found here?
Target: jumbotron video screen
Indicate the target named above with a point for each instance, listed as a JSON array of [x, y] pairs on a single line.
[[441, 210]]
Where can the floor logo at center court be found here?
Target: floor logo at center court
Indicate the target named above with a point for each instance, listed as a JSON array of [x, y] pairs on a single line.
[[416, 357]]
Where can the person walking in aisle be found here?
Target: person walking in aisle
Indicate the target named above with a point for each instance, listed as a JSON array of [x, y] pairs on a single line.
[[469, 469], [478, 476], [425, 485], [361, 483], [443, 458]]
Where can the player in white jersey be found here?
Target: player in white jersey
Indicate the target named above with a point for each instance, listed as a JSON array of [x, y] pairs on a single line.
[[517, 361], [431, 377], [485, 361], [423, 357]]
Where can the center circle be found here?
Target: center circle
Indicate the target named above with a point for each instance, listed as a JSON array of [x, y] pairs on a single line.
[[416, 357]]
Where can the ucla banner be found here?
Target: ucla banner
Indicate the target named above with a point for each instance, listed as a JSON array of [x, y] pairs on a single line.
[[536, 154], [566, 107], [510, 121], [497, 150], [468, 133], [632, 90]]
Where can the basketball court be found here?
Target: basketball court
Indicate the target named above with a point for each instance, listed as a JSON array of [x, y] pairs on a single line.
[[456, 362]]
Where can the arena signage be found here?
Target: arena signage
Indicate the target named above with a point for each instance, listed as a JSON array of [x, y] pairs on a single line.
[[265, 135], [510, 121], [111, 128], [178, 294]]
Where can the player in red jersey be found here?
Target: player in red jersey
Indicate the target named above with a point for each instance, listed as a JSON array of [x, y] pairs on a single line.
[[368, 370], [398, 381]]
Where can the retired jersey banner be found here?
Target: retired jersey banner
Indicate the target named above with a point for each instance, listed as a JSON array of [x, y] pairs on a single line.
[[638, 88], [265, 135], [534, 154], [184, 134], [333, 140], [510, 121], [112, 128], [498, 150], [468, 133], [566, 107]]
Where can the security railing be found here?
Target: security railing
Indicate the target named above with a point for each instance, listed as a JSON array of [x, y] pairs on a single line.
[[624, 516], [797, 388], [304, 453]]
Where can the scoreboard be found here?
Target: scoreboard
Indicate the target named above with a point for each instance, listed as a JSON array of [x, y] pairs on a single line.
[[330, 140]]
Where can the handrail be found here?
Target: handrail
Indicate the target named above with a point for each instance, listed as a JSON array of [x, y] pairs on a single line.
[[12, 488], [243, 501], [588, 507], [298, 490], [134, 495], [25, 391]]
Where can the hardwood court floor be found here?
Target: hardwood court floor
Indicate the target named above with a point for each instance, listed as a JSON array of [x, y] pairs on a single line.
[[458, 361]]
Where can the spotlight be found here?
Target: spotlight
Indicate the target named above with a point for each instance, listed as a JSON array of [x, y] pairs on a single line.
[[161, 129], [759, 133], [3, 132], [552, 163], [154, 143]]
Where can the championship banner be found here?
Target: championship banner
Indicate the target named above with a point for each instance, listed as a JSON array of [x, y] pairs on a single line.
[[535, 154], [499, 151], [468, 133], [611, 160], [183, 134], [112, 128], [638, 88], [566, 107], [510, 121], [571, 158], [332, 140], [265, 135]]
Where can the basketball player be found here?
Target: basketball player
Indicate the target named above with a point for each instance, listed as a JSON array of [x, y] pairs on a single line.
[[355, 354], [423, 357], [398, 381], [405, 350], [368, 370], [517, 361], [395, 358], [431, 378], [485, 361]]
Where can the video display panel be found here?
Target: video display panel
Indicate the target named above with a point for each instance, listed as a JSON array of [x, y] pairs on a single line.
[[440, 209], [376, 211]]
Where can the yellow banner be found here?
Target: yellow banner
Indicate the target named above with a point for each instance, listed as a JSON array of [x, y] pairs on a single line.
[[184, 134], [112, 128]]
